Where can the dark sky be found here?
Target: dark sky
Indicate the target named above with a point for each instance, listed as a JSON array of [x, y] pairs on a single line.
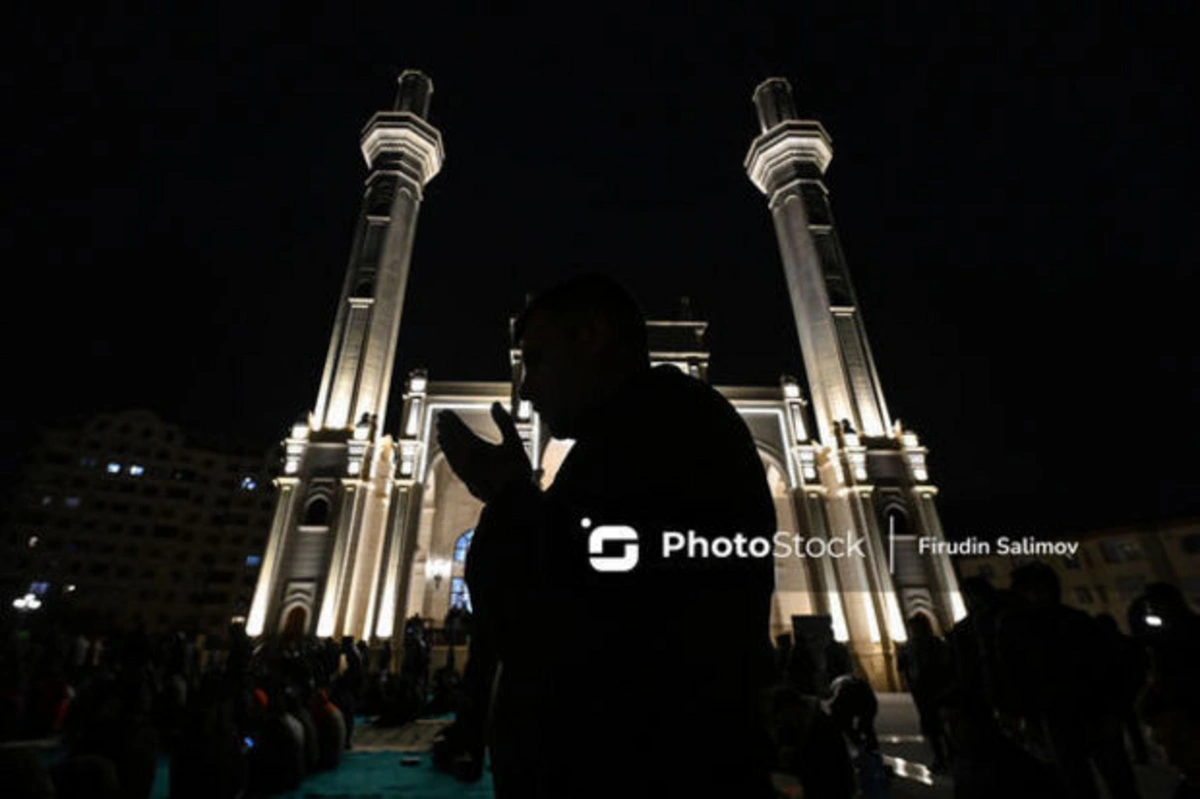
[[1015, 192]]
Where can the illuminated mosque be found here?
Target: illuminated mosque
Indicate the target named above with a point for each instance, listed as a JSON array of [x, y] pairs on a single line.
[[372, 527]]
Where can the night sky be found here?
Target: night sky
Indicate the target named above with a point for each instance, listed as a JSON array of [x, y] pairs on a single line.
[[1015, 191]]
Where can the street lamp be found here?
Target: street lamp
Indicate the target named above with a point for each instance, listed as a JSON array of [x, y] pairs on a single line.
[[27, 603]]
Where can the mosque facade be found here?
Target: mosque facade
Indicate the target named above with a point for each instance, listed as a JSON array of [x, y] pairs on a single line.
[[370, 527]]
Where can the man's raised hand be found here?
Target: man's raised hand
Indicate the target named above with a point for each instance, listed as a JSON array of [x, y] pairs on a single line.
[[484, 467]]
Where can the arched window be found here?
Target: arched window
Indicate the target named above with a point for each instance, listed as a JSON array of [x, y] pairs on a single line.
[[462, 545], [317, 512], [460, 597]]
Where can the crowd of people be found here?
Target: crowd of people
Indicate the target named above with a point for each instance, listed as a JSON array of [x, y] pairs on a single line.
[[1024, 695], [92, 716], [1027, 696]]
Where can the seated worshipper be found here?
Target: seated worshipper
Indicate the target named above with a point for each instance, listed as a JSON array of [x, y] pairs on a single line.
[[626, 668]]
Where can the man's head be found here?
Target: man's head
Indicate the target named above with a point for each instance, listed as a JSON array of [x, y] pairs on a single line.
[[579, 341], [1037, 584]]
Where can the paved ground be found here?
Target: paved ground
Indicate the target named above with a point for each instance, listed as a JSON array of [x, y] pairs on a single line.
[[394, 762], [904, 751], [907, 754]]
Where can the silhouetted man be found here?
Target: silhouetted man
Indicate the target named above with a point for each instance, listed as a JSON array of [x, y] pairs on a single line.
[[1056, 657], [630, 683], [925, 663]]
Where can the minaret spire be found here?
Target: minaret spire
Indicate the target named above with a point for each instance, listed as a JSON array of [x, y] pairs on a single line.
[[787, 163], [404, 152]]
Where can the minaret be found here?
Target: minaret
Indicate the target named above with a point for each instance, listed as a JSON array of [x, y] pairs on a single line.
[[787, 163], [404, 152], [335, 511], [865, 476]]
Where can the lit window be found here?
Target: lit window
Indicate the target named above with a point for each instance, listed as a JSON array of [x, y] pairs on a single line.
[[460, 597], [248, 483], [46, 500], [113, 468], [137, 470], [462, 545], [253, 560], [71, 502]]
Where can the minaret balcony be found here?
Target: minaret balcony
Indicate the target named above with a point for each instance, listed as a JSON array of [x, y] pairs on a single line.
[[791, 150], [391, 138]]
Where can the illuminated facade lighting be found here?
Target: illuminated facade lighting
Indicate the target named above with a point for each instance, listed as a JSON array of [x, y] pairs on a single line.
[[398, 517]]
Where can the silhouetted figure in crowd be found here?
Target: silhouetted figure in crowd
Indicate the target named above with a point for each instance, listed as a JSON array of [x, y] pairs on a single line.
[[675, 709], [809, 745], [364, 658], [925, 663], [853, 707], [416, 655], [1128, 670], [277, 750], [210, 760], [348, 685], [1171, 708], [459, 748], [1056, 661], [114, 721], [331, 729], [986, 762]]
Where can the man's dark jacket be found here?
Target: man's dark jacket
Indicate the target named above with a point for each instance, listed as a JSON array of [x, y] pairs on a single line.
[[646, 678]]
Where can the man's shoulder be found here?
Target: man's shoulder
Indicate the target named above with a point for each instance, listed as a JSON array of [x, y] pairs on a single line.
[[680, 390]]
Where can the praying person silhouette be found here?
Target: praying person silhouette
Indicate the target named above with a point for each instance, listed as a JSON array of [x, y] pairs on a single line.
[[642, 676]]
